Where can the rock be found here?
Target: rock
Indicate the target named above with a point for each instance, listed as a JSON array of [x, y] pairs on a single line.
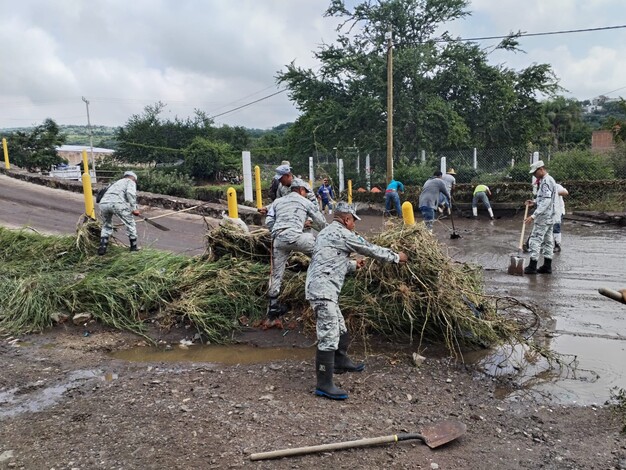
[[81, 318], [59, 317], [6, 455], [418, 360], [434, 466]]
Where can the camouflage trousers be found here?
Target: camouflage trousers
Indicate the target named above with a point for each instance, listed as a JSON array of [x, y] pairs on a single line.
[[541, 241], [281, 249], [330, 324], [107, 211]]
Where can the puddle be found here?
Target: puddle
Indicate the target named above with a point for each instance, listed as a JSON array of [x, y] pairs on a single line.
[[582, 323], [37, 396], [222, 354]]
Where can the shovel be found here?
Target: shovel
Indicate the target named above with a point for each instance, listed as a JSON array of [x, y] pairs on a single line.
[[433, 436], [516, 267], [453, 235], [155, 224]]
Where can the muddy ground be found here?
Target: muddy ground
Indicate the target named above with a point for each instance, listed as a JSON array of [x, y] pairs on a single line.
[[68, 399], [65, 403]]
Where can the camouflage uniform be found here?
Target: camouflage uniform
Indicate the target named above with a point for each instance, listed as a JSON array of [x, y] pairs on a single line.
[[285, 190], [325, 277], [120, 199], [545, 216], [285, 218]]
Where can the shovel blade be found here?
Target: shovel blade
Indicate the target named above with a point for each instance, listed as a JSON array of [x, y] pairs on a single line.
[[443, 432], [516, 268], [454, 236]]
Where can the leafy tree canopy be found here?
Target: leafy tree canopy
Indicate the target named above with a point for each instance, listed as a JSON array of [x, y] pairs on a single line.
[[446, 94], [36, 149]]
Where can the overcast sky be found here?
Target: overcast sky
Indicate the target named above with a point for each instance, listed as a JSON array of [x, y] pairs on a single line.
[[216, 55]]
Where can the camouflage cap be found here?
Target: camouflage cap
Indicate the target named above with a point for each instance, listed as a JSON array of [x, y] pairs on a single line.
[[345, 208], [282, 170], [130, 173], [300, 183]]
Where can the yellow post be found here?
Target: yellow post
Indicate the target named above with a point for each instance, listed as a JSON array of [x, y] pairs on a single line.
[[6, 154], [90, 210], [349, 191], [257, 183], [407, 213], [231, 196]]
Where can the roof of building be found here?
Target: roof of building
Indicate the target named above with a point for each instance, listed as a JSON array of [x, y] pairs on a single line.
[[80, 148]]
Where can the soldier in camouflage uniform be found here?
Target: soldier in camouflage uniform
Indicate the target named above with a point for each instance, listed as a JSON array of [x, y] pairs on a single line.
[[286, 219], [545, 216], [329, 265], [121, 200]]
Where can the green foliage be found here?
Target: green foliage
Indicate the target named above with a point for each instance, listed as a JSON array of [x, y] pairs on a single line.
[[618, 160], [465, 174], [580, 165], [36, 150], [207, 160], [446, 94], [413, 175], [172, 184], [519, 173]]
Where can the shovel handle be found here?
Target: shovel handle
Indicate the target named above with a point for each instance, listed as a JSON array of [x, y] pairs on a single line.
[[612, 294], [521, 238], [325, 447]]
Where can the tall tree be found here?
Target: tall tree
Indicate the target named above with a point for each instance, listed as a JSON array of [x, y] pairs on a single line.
[[36, 150], [446, 94]]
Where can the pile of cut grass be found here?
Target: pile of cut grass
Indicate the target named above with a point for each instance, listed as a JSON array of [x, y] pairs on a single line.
[[431, 298]]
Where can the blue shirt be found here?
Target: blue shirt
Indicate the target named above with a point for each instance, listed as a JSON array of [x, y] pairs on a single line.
[[395, 186], [325, 192]]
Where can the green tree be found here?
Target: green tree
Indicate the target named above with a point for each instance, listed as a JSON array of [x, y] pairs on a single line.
[[446, 94], [36, 150], [566, 125], [209, 160], [148, 139]]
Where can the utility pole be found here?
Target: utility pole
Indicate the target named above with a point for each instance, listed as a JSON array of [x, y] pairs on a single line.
[[389, 106], [93, 160]]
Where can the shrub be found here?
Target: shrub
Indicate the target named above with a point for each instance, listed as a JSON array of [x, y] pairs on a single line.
[[580, 165], [413, 175], [171, 184]]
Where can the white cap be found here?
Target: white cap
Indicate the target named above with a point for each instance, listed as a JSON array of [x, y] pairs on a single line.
[[535, 166], [130, 173]]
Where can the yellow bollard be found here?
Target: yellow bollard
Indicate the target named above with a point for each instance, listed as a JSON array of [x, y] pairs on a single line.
[[6, 154], [257, 183], [231, 196], [90, 210], [349, 191], [407, 213]]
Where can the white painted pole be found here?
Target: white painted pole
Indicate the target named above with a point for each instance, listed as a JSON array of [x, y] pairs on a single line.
[[443, 165], [423, 156], [341, 184], [247, 176], [368, 172], [475, 159], [311, 171], [535, 159]]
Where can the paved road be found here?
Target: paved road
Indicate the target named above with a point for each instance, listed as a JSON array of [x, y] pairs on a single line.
[[56, 211]]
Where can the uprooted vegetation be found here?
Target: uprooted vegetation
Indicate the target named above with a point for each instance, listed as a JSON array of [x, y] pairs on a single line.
[[431, 299]]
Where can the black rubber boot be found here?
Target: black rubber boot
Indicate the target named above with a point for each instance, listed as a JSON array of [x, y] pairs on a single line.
[[104, 242], [557, 247], [133, 244], [343, 363], [531, 268], [546, 268], [275, 309], [324, 365]]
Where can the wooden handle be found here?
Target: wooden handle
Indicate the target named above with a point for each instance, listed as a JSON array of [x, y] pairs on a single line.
[[324, 447], [521, 238], [612, 294]]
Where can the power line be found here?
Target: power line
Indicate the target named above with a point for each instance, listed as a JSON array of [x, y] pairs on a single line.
[[249, 104], [547, 33]]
